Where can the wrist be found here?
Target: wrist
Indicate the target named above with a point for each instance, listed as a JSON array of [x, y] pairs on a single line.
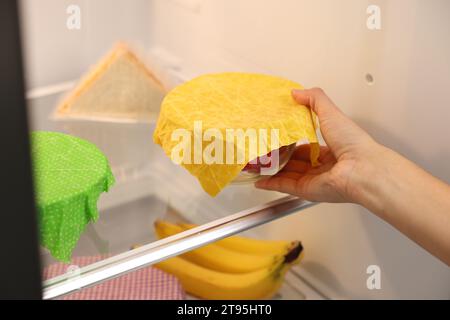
[[373, 178]]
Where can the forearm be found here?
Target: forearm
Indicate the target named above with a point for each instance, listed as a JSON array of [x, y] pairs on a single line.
[[354, 168], [410, 199]]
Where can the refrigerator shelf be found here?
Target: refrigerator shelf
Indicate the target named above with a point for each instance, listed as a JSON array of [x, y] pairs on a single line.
[[172, 246]]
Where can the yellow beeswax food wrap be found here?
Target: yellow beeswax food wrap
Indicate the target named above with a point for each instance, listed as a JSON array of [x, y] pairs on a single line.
[[232, 101]]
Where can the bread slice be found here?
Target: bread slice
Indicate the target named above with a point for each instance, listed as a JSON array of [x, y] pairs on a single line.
[[119, 88]]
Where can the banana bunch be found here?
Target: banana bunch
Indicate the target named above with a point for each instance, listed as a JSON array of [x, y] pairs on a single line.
[[232, 268]]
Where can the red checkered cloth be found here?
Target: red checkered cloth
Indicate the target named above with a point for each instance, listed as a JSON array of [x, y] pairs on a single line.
[[144, 284]]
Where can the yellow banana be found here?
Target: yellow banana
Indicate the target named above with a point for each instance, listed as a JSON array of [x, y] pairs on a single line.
[[219, 258], [209, 284], [251, 246]]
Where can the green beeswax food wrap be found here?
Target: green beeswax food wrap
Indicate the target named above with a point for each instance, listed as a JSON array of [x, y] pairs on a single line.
[[210, 105], [69, 176]]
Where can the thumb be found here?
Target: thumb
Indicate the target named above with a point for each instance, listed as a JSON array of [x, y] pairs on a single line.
[[339, 132], [317, 100]]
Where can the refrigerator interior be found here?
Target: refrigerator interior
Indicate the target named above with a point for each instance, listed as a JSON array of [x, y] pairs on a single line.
[[393, 82]]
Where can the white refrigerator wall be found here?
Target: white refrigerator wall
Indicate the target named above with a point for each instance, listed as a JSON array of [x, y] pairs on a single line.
[[318, 43], [326, 43], [55, 53]]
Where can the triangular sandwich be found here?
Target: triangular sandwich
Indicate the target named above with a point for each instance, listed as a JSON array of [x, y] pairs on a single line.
[[119, 88]]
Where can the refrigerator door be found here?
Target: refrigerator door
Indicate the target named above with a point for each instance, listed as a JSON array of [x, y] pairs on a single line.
[[19, 270]]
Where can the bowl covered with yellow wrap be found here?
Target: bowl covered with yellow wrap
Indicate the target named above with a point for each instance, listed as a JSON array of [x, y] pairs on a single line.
[[233, 126]]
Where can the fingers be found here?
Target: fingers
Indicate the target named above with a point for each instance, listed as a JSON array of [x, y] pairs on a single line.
[[297, 166], [309, 187], [341, 134], [317, 100], [283, 184], [306, 168], [302, 152]]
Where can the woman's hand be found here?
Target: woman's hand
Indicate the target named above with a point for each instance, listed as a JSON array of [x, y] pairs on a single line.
[[350, 154]]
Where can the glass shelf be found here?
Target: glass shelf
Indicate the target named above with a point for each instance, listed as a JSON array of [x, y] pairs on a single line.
[[149, 187]]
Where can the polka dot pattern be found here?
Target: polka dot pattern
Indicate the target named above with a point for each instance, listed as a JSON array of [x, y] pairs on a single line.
[[69, 176]]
